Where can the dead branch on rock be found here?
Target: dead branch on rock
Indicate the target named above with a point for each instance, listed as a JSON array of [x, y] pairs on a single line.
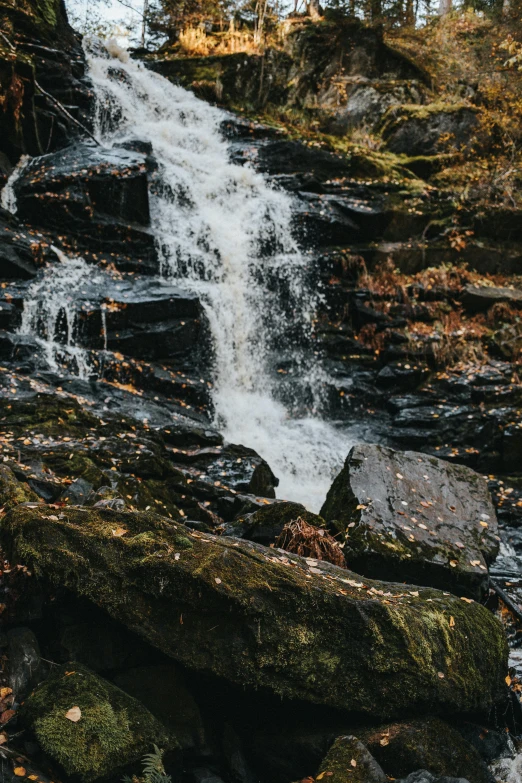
[[306, 540]]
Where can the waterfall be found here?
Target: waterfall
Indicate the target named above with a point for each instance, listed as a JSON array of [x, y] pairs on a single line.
[[223, 231], [51, 312], [8, 195]]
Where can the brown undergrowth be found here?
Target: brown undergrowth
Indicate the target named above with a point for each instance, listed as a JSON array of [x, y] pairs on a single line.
[[306, 540]]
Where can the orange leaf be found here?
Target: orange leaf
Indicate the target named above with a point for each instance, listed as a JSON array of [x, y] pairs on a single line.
[[20, 772], [74, 714]]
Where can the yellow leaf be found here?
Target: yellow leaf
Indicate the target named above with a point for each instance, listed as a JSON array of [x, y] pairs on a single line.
[[119, 532], [467, 600], [508, 680], [384, 741], [452, 622], [320, 776], [3, 739], [5, 692], [74, 714], [454, 563], [20, 772]]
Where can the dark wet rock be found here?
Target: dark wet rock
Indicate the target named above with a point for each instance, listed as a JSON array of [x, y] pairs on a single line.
[[266, 524], [428, 744], [428, 130], [237, 764], [97, 198], [410, 516], [111, 731], [276, 621], [26, 667], [423, 776], [490, 743], [39, 46], [480, 298], [398, 375], [349, 761], [77, 493], [163, 691]]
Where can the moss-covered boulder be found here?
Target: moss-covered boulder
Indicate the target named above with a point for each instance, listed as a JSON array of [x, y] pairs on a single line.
[[410, 516], [90, 727], [263, 618], [14, 492], [429, 129], [349, 761], [428, 744]]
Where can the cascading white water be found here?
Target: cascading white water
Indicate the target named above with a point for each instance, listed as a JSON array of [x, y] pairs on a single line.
[[51, 310], [7, 195], [222, 230]]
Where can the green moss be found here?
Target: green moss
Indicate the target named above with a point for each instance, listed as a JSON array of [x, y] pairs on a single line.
[[12, 491], [259, 620], [348, 761], [113, 731]]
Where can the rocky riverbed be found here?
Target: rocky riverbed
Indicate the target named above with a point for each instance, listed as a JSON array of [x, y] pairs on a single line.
[[161, 594]]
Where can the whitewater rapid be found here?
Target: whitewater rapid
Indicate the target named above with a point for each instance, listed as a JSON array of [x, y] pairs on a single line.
[[224, 232]]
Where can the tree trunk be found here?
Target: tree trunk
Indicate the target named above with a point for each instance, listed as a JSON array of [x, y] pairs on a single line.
[[144, 21], [409, 16], [445, 7]]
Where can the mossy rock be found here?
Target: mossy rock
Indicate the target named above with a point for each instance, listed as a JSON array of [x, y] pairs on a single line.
[[428, 744], [410, 516], [349, 761], [266, 619], [429, 129], [14, 492], [114, 729]]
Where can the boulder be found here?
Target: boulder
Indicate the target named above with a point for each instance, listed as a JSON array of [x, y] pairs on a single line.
[[349, 761], [90, 727], [263, 618], [12, 491], [479, 298], [409, 516], [425, 744], [428, 130]]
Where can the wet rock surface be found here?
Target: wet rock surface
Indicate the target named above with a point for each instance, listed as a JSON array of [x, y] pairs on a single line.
[[414, 517]]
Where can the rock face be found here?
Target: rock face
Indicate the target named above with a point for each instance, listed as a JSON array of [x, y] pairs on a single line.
[[259, 617], [428, 744], [349, 761], [414, 517], [38, 48], [90, 727], [418, 130]]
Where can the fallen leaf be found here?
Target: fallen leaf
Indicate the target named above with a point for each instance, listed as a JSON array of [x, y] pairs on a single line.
[[384, 741], [399, 475], [508, 680], [353, 763], [484, 524], [440, 675], [20, 772], [454, 563], [5, 692], [452, 622], [120, 531], [74, 714], [467, 600], [217, 580], [3, 739], [6, 716]]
